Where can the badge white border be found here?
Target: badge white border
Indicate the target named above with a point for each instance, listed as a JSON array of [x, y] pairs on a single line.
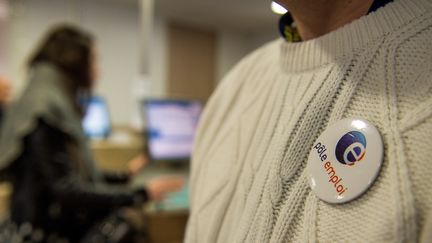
[[352, 180]]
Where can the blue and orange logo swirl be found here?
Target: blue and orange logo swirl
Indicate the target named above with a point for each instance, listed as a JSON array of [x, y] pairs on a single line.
[[351, 148]]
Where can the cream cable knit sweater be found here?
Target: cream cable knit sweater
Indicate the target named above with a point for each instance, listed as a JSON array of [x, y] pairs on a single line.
[[249, 181]]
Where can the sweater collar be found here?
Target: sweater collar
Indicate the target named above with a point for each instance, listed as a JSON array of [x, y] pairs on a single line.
[[308, 55]]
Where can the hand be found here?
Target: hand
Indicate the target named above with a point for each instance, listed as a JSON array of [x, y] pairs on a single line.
[[158, 188], [137, 163]]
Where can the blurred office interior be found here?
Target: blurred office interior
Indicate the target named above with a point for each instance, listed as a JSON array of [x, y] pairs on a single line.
[[147, 49]]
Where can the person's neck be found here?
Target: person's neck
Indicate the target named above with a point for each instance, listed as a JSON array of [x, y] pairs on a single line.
[[315, 18]]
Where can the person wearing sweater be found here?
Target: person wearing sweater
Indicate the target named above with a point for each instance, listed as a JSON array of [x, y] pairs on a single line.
[[369, 60]]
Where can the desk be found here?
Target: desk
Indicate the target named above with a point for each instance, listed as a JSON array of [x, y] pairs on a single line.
[[165, 222], [166, 227], [118, 149]]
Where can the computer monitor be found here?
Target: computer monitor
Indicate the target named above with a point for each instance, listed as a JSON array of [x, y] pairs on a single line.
[[96, 122], [171, 126]]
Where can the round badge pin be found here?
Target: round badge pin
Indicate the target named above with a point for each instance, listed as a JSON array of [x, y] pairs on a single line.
[[345, 160]]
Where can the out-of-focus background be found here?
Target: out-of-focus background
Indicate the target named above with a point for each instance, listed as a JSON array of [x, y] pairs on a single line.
[[146, 47], [171, 54]]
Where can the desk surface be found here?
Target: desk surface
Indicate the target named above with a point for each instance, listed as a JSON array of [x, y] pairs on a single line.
[[114, 153]]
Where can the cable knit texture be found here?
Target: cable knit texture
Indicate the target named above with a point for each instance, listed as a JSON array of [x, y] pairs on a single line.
[[249, 182]]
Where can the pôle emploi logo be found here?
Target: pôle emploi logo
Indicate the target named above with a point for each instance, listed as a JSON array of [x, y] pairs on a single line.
[[350, 149]]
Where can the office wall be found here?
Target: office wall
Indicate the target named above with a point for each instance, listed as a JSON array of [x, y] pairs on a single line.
[[116, 25]]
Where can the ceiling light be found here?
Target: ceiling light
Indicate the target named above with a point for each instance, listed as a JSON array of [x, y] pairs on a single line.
[[277, 8]]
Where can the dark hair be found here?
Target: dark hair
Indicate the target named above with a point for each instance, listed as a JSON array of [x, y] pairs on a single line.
[[69, 49]]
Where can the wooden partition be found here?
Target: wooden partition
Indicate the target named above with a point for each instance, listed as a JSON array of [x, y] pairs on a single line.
[[192, 60]]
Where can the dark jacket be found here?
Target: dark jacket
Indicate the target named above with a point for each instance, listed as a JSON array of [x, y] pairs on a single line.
[[49, 193]]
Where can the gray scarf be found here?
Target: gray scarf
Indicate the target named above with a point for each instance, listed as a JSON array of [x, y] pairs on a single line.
[[46, 97]]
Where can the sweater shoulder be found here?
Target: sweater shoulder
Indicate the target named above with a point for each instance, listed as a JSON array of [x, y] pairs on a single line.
[[412, 71]]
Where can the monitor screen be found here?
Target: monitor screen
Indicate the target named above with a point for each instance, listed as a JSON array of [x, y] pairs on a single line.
[[171, 126], [96, 122]]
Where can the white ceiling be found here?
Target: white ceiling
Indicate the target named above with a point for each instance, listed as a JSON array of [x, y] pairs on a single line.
[[238, 15]]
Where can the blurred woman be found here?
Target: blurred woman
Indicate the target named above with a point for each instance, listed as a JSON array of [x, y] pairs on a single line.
[[58, 195]]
